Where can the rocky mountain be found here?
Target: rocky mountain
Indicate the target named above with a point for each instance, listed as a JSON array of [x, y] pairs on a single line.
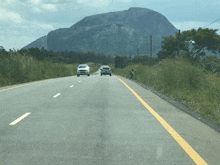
[[39, 43], [120, 33]]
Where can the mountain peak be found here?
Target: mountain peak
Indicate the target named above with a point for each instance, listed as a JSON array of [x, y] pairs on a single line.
[[120, 32], [138, 8]]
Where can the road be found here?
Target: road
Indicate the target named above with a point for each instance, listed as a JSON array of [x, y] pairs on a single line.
[[98, 120]]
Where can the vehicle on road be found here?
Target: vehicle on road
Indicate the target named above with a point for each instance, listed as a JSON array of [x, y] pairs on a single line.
[[83, 69], [106, 70]]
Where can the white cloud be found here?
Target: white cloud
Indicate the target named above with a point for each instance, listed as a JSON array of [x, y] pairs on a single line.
[[126, 0], [25, 33], [8, 16], [50, 7], [38, 5], [8, 2], [35, 1], [36, 10], [36, 25], [100, 3], [39, 25]]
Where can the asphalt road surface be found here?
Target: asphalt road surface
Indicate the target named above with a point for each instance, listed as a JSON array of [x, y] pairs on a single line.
[[98, 120]]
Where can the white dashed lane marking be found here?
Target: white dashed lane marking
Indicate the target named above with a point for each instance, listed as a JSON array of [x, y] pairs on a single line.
[[20, 118], [71, 86], [57, 95]]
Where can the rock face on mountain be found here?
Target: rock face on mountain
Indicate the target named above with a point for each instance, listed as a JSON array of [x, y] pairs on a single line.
[[120, 33], [39, 43]]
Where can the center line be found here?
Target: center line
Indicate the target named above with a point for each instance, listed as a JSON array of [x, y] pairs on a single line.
[[20, 118], [57, 95]]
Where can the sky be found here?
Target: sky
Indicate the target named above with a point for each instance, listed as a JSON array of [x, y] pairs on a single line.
[[24, 21]]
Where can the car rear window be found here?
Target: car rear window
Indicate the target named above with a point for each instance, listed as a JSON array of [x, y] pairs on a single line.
[[82, 66], [106, 68]]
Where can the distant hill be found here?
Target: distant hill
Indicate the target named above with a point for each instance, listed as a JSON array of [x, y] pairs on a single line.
[[39, 43], [120, 33]]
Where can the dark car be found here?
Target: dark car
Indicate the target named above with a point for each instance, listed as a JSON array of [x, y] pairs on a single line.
[[106, 70]]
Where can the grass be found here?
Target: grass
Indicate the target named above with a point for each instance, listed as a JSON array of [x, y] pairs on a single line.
[[93, 67], [176, 78], [182, 81], [15, 69]]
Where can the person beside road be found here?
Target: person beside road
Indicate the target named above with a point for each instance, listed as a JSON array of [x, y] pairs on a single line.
[[131, 74]]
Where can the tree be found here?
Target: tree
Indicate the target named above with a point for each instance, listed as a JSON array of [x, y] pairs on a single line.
[[200, 40], [192, 42], [121, 61], [23, 52], [211, 63], [169, 47], [36, 53]]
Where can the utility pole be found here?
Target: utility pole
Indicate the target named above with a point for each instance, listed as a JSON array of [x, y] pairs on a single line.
[[118, 46], [150, 45], [150, 50], [178, 43]]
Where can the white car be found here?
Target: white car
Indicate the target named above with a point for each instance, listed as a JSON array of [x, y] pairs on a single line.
[[83, 69]]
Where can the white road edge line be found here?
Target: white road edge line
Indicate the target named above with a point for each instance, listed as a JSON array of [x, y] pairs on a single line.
[[20, 118], [71, 86], [57, 95]]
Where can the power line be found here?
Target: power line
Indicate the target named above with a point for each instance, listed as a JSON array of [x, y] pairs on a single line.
[[211, 23]]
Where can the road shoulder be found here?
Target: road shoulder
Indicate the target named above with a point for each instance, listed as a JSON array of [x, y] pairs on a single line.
[[182, 107], [202, 137]]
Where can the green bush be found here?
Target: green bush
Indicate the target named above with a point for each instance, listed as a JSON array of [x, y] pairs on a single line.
[[15, 69], [182, 81]]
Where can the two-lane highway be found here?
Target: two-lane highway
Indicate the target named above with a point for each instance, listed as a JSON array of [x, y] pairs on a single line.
[[97, 120]]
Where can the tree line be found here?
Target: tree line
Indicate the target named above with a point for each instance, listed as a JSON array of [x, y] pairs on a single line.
[[67, 57], [192, 45], [123, 61]]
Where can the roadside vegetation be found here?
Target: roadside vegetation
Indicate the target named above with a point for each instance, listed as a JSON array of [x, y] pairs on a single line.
[[181, 69], [181, 72], [21, 67], [182, 81]]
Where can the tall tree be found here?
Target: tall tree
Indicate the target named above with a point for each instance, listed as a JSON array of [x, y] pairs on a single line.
[[192, 42]]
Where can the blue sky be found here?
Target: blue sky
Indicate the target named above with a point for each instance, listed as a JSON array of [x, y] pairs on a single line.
[[23, 21]]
